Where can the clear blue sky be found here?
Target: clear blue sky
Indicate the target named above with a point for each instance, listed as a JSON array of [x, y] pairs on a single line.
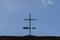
[[47, 13]]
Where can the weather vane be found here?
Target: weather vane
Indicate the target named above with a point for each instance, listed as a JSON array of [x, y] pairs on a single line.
[[29, 27]]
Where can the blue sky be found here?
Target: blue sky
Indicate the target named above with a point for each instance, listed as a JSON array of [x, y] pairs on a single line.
[[47, 13]]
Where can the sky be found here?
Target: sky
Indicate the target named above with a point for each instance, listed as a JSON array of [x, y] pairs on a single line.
[[13, 13]]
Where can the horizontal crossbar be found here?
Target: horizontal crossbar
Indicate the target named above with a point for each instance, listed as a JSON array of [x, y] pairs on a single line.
[[29, 19], [29, 28]]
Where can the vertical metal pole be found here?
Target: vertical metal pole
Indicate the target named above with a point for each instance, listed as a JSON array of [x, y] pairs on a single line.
[[29, 23]]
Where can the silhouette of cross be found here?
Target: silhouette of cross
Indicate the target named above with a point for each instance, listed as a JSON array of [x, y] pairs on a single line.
[[30, 19]]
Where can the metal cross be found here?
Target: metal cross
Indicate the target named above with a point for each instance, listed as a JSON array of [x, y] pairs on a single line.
[[30, 19]]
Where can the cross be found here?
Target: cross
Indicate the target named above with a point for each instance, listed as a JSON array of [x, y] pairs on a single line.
[[30, 19]]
